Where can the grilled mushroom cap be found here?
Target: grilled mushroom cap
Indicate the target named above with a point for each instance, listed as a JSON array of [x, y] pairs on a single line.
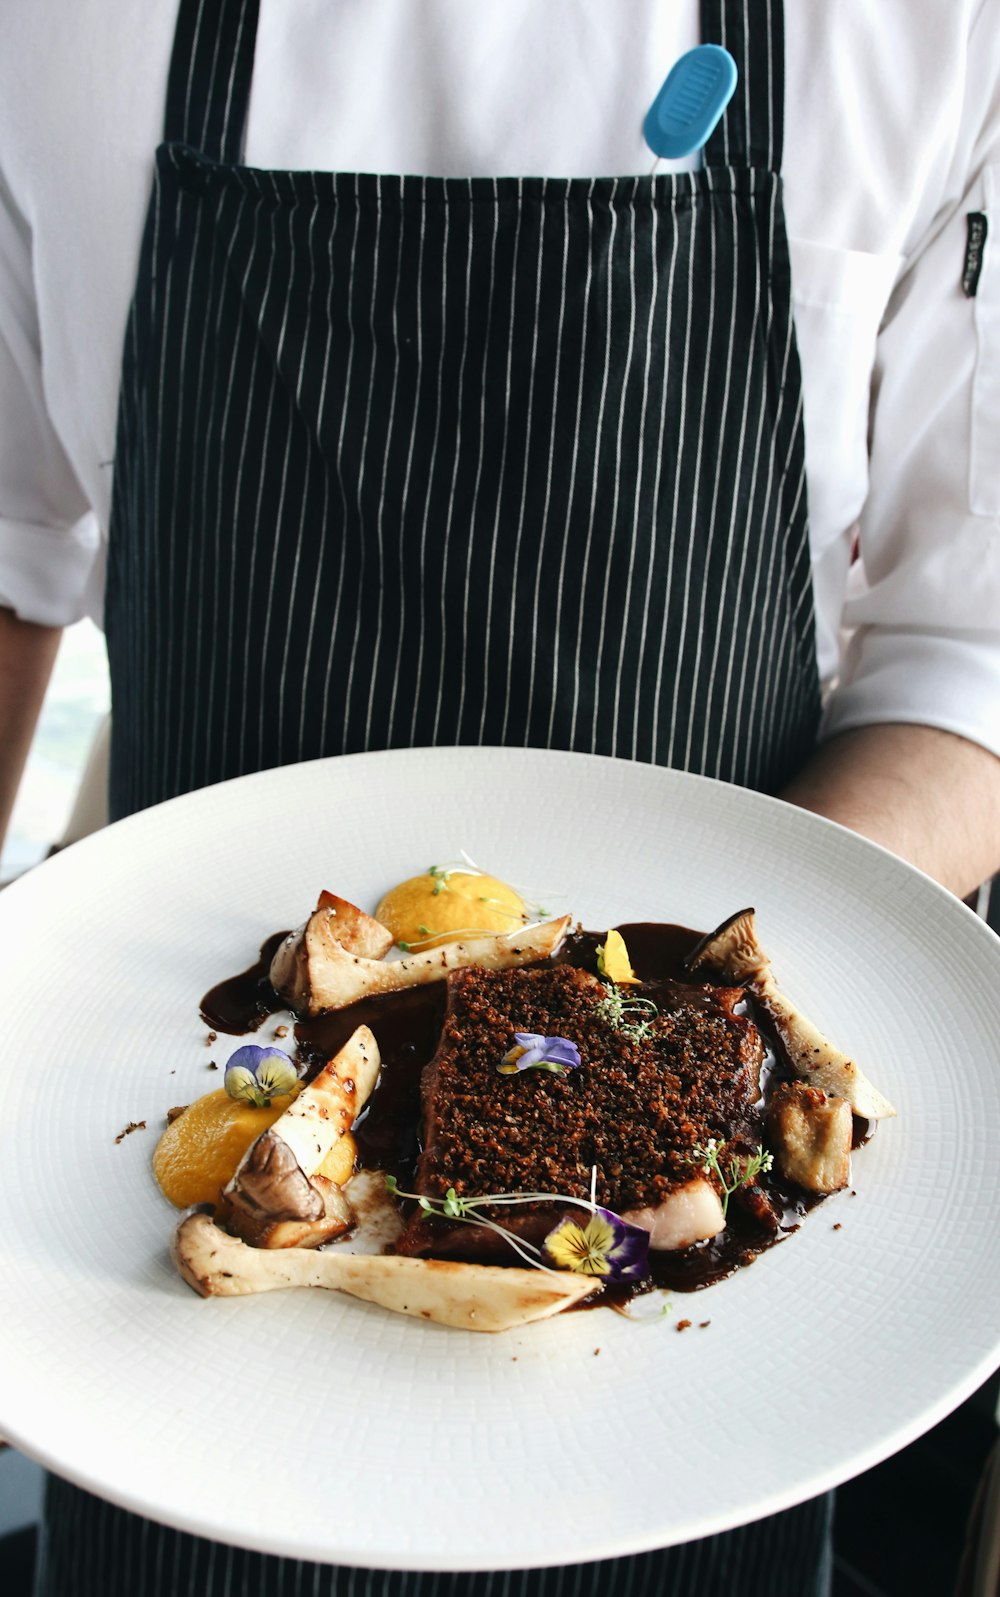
[[734, 951]]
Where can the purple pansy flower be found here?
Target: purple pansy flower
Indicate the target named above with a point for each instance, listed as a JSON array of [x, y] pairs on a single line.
[[531, 1051], [607, 1246]]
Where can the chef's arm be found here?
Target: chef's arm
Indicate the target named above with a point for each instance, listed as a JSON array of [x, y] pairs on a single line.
[[926, 794], [27, 653]]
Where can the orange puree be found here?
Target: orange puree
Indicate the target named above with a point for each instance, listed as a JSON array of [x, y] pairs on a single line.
[[199, 1151]]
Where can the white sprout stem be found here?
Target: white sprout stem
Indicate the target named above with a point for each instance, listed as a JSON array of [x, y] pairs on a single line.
[[506, 1199], [520, 1246]]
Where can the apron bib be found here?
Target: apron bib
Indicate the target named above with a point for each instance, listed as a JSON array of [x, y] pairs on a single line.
[[406, 461]]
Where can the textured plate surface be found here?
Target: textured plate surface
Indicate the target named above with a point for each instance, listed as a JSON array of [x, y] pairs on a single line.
[[314, 1425]]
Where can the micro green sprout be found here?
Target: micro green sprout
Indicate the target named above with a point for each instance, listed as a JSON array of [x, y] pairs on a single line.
[[632, 1016], [607, 1246], [739, 1171]]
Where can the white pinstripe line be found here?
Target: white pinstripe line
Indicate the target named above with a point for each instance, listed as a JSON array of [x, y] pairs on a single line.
[[277, 532], [760, 702], [380, 513], [543, 517], [613, 528], [195, 69], [488, 622], [513, 640], [363, 455], [150, 633], [209, 463], [772, 157], [193, 57], [709, 527], [636, 510], [449, 518], [429, 488], [588, 545], [208, 1583], [474, 505], [363, 461], [218, 519], [163, 652], [778, 653], [658, 456], [345, 529], [234, 58], [178, 698], [261, 455], [325, 509], [761, 363], [390, 724], [196, 591], [755, 604], [313, 450], [682, 435], [571, 490]]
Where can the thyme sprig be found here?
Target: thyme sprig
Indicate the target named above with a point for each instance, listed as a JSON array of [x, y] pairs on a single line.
[[739, 1171]]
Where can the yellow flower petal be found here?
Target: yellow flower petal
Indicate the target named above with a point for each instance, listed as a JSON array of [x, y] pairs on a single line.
[[615, 963]]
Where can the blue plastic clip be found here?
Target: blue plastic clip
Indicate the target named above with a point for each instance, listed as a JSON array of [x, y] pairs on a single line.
[[697, 90]]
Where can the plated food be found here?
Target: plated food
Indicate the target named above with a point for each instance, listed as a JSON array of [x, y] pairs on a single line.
[[485, 1127]]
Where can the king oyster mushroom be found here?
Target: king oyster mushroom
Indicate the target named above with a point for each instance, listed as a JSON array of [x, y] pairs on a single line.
[[302, 961], [276, 1198], [733, 950], [316, 971], [471, 1297]]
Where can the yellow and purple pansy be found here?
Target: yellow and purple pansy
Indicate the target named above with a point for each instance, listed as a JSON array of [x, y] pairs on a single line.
[[256, 1075]]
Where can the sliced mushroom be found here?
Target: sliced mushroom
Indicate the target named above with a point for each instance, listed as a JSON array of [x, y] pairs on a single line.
[[733, 950], [302, 958], [343, 977], [471, 1297], [276, 1198]]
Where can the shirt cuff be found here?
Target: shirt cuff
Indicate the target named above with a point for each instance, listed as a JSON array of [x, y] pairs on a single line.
[[921, 678], [52, 576]]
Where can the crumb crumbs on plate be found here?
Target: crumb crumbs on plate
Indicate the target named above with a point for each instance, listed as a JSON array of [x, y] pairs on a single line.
[[133, 1125]]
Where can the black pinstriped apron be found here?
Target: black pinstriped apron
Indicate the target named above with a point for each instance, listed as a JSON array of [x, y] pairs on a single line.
[[408, 460]]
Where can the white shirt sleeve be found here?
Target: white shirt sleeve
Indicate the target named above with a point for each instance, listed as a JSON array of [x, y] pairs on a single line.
[[921, 616], [50, 546]]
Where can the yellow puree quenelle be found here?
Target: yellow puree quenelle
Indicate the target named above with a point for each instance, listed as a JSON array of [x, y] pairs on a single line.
[[441, 905]]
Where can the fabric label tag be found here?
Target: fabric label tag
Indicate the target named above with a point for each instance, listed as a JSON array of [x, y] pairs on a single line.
[[975, 244]]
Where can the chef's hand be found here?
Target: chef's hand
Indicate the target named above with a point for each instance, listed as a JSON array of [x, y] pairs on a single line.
[[27, 654], [928, 795]]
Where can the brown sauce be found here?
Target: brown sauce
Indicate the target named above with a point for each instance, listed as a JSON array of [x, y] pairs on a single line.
[[407, 1025]]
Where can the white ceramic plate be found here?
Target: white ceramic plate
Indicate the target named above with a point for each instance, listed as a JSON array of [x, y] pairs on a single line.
[[317, 1426]]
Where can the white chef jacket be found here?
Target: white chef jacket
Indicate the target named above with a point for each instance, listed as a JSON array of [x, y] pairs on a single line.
[[892, 138]]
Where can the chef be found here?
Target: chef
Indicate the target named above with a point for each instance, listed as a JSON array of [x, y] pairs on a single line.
[[448, 412]]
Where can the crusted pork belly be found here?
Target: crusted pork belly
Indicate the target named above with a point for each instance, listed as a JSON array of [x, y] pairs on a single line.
[[635, 1109]]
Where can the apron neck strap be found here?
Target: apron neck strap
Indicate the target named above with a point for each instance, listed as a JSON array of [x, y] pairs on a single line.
[[208, 90], [751, 130]]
